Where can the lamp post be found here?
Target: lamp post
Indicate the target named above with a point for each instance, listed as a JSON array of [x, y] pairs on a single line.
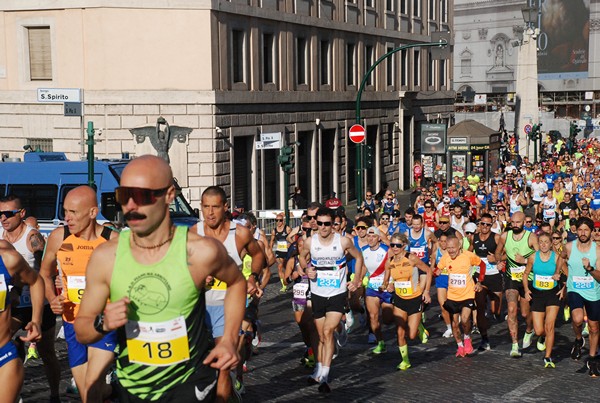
[[527, 80]]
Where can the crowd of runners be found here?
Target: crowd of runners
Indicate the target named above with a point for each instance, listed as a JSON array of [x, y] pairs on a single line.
[[171, 312]]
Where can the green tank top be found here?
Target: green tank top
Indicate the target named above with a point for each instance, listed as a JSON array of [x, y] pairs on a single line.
[[165, 340], [512, 247]]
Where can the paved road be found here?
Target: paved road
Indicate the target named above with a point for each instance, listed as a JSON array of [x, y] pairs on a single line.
[[358, 376]]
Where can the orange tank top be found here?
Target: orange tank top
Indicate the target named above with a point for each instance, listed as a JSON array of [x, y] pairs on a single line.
[[405, 278], [73, 256]]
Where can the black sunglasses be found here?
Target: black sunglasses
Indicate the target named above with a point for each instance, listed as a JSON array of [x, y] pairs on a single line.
[[140, 196], [486, 224], [279, 220], [396, 245], [324, 223], [10, 213], [361, 227]]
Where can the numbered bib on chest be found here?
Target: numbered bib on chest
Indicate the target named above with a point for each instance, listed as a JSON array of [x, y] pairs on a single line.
[[403, 288], [300, 290], [158, 344], [375, 282], [544, 282], [420, 252], [329, 278], [282, 246], [217, 285], [456, 280], [75, 288], [516, 273], [583, 282], [3, 292]]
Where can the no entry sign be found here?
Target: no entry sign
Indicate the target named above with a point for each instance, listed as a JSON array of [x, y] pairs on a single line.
[[357, 134]]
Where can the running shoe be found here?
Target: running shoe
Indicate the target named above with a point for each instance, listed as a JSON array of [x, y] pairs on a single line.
[[311, 381], [460, 352], [514, 352], [342, 338], [372, 339], [541, 343], [576, 349], [283, 289], [32, 353], [239, 387], [423, 334], [475, 330], [324, 387], [592, 365], [484, 346], [349, 321], [468, 347], [586, 331], [403, 366], [380, 348], [447, 333], [548, 363], [567, 313], [72, 388], [527, 340]]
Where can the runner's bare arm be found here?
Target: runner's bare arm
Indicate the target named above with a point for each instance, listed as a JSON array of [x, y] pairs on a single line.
[[48, 266], [36, 244], [359, 267]]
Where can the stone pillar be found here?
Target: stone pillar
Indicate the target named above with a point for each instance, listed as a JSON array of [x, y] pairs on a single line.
[[527, 90]]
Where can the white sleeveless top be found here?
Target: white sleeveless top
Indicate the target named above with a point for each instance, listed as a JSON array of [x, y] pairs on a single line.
[[330, 263]]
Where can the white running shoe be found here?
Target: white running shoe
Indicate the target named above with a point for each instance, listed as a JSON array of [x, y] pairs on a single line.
[[447, 334]]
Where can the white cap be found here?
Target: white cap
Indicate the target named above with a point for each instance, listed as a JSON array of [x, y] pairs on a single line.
[[470, 227], [373, 231]]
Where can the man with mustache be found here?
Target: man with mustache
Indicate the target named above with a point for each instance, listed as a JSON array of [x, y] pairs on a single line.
[[515, 246], [583, 290], [68, 251]]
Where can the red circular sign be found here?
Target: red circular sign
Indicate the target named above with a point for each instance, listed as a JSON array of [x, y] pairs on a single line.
[[527, 129], [357, 134]]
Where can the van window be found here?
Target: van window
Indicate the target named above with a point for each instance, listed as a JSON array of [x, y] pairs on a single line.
[[2, 190], [110, 208], [38, 200], [61, 201]]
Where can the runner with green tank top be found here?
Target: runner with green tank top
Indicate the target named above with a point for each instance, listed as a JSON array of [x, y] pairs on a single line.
[[154, 275], [515, 246]]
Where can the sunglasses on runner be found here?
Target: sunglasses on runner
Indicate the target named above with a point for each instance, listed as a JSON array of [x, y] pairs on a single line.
[[361, 227], [324, 223], [140, 196], [396, 245], [9, 213]]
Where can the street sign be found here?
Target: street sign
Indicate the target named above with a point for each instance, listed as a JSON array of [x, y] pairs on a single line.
[[59, 95], [268, 145], [357, 134], [72, 109], [527, 129]]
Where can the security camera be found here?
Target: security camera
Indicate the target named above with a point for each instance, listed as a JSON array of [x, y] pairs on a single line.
[[219, 130]]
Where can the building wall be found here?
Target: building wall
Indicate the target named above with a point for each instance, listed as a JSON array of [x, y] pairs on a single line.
[[138, 60]]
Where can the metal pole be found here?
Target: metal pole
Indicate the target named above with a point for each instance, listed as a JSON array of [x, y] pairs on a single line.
[[359, 148], [90, 155], [286, 207]]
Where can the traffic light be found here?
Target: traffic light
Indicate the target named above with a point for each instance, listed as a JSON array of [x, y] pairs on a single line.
[[286, 158], [533, 132], [368, 157]]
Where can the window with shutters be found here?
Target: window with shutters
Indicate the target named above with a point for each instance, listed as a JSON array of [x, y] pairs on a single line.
[[40, 53]]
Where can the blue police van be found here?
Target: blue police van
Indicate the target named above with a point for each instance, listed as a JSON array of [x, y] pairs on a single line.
[[43, 179]]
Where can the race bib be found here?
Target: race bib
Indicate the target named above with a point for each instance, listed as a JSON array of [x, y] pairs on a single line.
[[3, 292], [375, 282], [300, 290], [456, 280], [282, 246], [516, 273], [583, 282], [217, 284], [329, 278], [403, 288], [549, 213], [420, 252], [544, 282], [75, 288], [25, 298], [158, 344]]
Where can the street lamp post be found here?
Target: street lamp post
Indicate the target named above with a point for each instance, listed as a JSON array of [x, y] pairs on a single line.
[[439, 50]]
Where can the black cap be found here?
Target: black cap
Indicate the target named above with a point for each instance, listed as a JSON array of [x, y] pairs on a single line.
[[461, 193]]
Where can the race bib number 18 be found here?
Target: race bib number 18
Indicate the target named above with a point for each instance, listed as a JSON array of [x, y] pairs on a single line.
[[158, 344]]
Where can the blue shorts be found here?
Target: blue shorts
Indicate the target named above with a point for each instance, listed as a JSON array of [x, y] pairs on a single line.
[[441, 281], [384, 296], [215, 319], [592, 308], [78, 353], [8, 352]]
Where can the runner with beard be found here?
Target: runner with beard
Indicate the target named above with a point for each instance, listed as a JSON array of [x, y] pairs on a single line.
[[515, 247], [583, 291]]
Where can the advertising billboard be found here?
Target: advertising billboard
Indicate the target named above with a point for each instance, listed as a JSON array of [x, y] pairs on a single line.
[[433, 138], [563, 41]]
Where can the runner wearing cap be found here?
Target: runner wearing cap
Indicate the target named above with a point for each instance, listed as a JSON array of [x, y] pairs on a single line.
[[375, 255]]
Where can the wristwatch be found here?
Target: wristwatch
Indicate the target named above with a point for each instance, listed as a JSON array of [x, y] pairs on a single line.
[[592, 268], [99, 324], [255, 276]]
